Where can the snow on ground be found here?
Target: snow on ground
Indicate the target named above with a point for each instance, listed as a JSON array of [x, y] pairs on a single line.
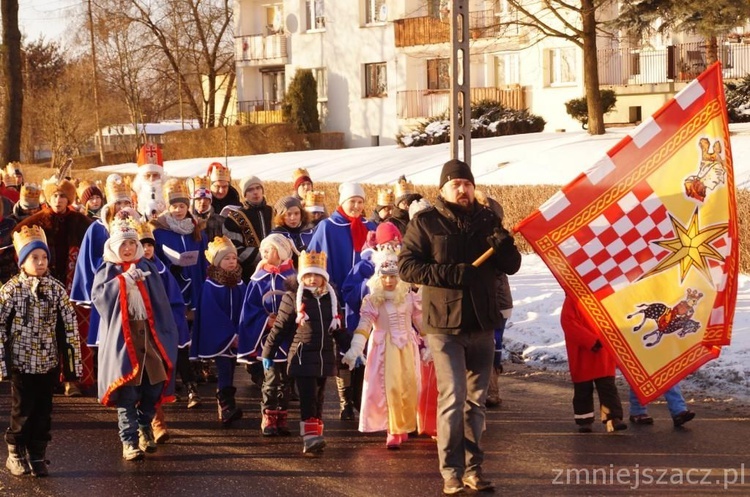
[[537, 158]]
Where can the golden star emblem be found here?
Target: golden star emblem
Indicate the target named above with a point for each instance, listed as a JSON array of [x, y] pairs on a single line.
[[690, 248]]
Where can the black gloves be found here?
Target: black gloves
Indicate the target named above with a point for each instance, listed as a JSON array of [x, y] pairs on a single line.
[[597, 346], [498, 238], [467, 273]]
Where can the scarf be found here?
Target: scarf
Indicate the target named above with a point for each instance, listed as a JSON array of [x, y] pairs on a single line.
[[183, 227], [226, 278], [358, 229], [136, 306]]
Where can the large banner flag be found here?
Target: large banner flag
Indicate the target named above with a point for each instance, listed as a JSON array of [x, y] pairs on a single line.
[[646, 240]]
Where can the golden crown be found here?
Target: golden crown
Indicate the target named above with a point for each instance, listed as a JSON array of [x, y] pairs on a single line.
[[10, 172], [315, 197], [404, 187], [299, 172], [26, 235], [312, 259], [30, 192], [218, 245], [386, 197], [116, 190], [145, 230], [219, 172], [175, 189], [201, 182]]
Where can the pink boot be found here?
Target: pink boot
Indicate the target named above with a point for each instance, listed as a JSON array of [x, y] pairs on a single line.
[[392, 442]]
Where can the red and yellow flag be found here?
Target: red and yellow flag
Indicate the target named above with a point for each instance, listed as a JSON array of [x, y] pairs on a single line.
[[646, 240]]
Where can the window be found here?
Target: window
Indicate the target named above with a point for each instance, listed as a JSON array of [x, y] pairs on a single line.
[[315, 15], [274, 19], [507, 68], [319, 73], [375, 11], [562, 65], [439, 74], [376, 84]]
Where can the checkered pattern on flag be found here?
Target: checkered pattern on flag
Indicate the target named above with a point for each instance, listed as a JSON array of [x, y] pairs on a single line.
[[646, 240]]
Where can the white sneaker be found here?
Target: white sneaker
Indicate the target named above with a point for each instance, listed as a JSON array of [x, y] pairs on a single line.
[[131, 452], [146, 440]]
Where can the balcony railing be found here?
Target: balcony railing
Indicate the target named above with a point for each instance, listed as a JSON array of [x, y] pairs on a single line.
[[259, 112], [262, 49], [676, 63], [432, 103], [413, 31]]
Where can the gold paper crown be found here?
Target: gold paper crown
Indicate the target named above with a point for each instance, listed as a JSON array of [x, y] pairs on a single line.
[[145, 230], [220, 244], [116, 190], [26, 235], [404, 187], [386, 197], [30, 193], [219, 172], [312, 259], [176, 189], [315, 198], [200, 185], [9, 174], [300, 172]]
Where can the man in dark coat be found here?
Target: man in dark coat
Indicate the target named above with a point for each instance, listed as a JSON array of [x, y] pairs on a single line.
[[460, 314], [249, 225]]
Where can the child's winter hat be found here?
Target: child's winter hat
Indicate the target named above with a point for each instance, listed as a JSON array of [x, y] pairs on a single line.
[[220, 247], [315, 201], [28, 239], [200, 187], [29, 196], [247, 182], [175, 190], [300, 176], [386, 262], [282, 244], [349, 190], [417, 206], [285, 203], [89, 191], [387, 232]]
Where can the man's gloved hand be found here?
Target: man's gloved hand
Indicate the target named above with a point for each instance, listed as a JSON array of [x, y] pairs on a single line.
[[355, 355], [267, 363], [498, 238], [597, 346], [467, 272]]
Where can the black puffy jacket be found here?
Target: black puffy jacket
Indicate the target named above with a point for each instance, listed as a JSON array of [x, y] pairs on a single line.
[[437, 252]]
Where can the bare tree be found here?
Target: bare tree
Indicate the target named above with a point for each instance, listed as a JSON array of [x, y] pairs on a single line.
[[576, 21], [11, 84]]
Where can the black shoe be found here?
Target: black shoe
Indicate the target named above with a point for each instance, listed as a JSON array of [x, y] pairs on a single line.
[[682, 418], [585, 429], [478, 483], [642, 419], [453, 486], [615, 424], [347, 413]]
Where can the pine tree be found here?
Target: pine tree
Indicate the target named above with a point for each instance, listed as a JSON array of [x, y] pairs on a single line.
[[300, 105]]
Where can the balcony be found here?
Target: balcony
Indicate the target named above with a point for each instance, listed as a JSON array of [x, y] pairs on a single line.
[[431, 103], [262, 50], [428, 30], [259, 112], [676, 63]]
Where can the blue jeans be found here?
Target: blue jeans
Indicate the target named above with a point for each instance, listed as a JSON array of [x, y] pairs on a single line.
[[136, 406], [463, 364], [675, 402]]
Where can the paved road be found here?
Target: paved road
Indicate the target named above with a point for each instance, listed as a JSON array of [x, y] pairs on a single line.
[[531, 442]]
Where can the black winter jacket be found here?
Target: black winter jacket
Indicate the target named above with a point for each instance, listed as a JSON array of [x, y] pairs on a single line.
[[314, 348], [437, 252]]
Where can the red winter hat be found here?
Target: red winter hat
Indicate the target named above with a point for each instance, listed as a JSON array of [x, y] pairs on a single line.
[[387, 232]]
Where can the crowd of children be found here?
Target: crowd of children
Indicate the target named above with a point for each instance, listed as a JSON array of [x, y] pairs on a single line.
[[136, 290]]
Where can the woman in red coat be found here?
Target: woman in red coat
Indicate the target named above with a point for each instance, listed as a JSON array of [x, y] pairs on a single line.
[[591, 366]]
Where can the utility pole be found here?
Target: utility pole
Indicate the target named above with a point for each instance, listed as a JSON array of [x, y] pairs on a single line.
[[460, 108], [96, 84]]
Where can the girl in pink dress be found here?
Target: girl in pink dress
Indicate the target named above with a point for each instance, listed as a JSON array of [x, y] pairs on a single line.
[[388, 317]]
